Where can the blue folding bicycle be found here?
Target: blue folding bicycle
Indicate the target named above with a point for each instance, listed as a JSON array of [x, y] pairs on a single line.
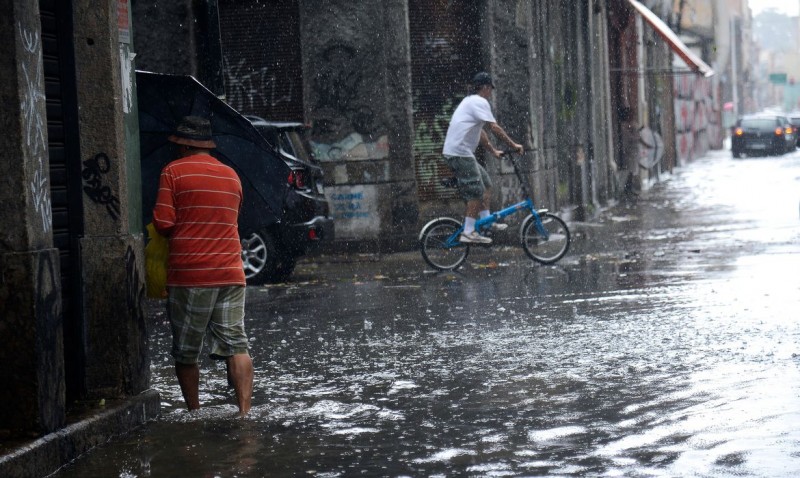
[[544, 236]]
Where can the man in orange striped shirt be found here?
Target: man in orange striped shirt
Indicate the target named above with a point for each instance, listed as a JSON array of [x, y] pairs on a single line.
[[197, 209]]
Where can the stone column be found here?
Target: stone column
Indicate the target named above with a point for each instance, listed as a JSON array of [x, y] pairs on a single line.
[[112, 259], [357, 90], [32, 358]]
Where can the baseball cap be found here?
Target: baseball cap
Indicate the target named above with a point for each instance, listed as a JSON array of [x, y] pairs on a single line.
[[481, 79]]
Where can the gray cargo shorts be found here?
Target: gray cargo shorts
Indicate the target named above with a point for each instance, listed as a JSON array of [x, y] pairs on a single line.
[[473, 180]]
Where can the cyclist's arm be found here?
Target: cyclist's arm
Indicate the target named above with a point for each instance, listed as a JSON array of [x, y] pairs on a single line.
[[500, 132], [487, 144]]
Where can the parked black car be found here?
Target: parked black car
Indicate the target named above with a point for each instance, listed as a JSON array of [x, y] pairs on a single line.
[[270, 254], [763, 134]]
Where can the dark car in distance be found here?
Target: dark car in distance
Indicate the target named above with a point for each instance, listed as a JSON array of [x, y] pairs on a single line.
[[762, 135], [270, 254], [794, 119]]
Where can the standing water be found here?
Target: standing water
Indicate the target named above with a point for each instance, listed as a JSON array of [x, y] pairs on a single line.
[[666, 343]]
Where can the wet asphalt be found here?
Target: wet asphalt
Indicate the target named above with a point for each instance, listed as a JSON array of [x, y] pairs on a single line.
[[666, 343]]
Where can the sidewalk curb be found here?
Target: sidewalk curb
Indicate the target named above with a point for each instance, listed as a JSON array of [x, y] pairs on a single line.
[[48, 454]]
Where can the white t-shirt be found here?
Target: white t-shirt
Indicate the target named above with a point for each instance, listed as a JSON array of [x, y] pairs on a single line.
[[464, 132]]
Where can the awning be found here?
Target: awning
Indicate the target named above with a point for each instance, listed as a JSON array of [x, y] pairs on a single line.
[[675, 43]]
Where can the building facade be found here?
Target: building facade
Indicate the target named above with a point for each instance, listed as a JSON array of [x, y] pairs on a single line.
[[71, 250]]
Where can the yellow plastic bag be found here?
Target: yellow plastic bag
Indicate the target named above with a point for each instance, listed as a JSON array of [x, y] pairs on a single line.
[[156, 253]]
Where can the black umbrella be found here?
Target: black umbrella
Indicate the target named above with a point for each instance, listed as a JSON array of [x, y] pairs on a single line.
[[165, 99]]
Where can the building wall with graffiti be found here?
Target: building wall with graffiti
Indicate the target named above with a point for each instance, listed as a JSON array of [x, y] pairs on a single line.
[[72, 288], [356, 100], [698, 117]]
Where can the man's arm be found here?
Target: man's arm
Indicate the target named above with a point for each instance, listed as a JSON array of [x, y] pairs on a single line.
[[487, 144], [164, 210], [500, 132]]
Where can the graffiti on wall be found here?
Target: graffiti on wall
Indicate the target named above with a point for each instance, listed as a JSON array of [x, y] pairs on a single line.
[[34, 124], [697, 119], [250, 89], [93, 171], [352, 147], [345, 124], [135, 286], [429, 137], [353, 207], [33, 95], [50, 313]]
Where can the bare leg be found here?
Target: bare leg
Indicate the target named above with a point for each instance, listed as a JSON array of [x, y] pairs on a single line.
[[189, 380], [485, 200], [240, 368], [474, 207], [228, 373]]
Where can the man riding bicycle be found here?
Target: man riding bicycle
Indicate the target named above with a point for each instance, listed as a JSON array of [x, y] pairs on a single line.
[[463, 136]]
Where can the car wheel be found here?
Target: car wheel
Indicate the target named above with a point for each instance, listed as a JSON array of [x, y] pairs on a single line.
[[737, 154], [259, 257]]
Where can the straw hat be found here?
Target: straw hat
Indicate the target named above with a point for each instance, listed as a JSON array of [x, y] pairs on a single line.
[[193, 131]]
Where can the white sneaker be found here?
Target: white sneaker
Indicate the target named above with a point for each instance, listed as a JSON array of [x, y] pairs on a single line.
[[498, 226], [473, 238]]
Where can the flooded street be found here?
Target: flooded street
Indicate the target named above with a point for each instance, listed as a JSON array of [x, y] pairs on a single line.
[[666, 343]]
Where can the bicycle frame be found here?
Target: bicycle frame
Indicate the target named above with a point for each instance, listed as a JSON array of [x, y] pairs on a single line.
[[527, 204]]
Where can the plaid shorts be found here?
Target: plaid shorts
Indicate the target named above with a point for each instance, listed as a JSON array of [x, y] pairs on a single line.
[[473, 180], [196, 312]]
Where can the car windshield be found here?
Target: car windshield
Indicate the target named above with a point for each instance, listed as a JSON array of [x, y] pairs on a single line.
[[759, 123]]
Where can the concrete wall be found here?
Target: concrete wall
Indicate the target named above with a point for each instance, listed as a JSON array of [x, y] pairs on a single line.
[[32, 374], [109, 256], [357, 92], [552, 96], [112, 259]]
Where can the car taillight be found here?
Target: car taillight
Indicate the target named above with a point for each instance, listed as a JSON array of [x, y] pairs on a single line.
[[778, 131], [739, 132], [312, 235], [297, 179]]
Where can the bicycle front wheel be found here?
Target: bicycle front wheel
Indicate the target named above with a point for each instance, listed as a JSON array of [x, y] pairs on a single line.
[[549, 248], [439, 245]]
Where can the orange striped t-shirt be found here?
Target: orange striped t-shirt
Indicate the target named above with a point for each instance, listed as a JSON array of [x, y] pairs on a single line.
[[197, 208]]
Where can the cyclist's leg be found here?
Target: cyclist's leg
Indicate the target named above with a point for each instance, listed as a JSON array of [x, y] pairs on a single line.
[[484, 211], [470, 186], [487, 193]]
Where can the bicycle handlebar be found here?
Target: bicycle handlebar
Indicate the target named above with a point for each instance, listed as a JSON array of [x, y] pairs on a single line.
[[509, 153]]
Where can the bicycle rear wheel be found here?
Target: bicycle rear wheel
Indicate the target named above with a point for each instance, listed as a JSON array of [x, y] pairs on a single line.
[[438, 245], [545, 249]]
